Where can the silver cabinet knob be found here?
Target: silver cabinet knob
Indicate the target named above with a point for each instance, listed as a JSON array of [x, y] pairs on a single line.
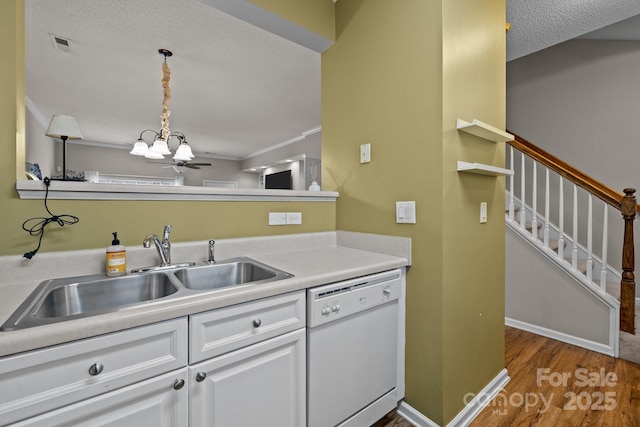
[[96, 368], [257, 323], [386, 291], [178, 384], [200, 376]]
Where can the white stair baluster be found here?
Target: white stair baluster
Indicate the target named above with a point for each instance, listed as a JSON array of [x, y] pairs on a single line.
[[534, 202], [523, 213], [511, 183], [574, 252], [605, 237], [589, 271], [546, 207], [561, 219]]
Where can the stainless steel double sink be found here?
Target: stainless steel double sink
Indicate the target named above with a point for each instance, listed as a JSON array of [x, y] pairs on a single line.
[[57, 300]]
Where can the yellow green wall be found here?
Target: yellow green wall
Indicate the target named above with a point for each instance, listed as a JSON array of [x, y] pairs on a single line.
[[398, 77], [132, 219], [314, 15]]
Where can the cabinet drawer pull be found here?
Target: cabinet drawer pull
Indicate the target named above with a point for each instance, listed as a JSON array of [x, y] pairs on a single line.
[[200, 376], [96, 369], [257, 323], [178, 384]]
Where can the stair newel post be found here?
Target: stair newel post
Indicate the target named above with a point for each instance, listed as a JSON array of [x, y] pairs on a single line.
[[628, 284]]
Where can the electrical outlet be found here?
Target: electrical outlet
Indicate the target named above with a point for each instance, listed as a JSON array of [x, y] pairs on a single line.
[[294, 218], [277, 218]]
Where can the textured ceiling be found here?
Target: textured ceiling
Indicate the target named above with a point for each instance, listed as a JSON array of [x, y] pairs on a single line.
[[538, 24], [237, 89]]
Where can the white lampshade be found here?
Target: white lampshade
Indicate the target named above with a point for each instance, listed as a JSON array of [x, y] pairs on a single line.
[[66, 126], [160, 146], [183, 153], [153, 155], [140, 148]]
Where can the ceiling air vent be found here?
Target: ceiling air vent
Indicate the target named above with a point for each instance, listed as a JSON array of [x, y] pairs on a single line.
[[61, 43]]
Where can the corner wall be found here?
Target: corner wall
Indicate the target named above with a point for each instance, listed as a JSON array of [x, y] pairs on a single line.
[[398, 76]]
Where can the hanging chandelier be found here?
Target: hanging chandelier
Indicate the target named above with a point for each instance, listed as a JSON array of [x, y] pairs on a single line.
[[160, 146]]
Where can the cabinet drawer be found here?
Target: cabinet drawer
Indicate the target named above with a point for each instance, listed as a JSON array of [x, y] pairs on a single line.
[[42, 380], [226, 329], [155, 402]]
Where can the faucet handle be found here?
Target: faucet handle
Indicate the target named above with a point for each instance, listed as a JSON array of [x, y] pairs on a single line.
[[165, 235], [212, 259]]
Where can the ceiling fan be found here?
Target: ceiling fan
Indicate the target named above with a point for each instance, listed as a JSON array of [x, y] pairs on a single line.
[[182, 164]]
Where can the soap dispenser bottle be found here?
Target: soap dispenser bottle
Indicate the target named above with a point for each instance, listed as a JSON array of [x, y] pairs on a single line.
[[116, 258]]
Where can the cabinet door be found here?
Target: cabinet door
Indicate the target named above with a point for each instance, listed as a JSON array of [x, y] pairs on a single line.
[[261, 385], [158, 402], [43, 380]]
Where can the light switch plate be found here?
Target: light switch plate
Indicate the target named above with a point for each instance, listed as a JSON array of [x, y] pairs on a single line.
[[365, 153], [483, 212], [406, 212], [277, 218]]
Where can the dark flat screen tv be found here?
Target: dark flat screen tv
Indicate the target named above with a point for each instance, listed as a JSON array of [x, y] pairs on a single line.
[[278, 181]]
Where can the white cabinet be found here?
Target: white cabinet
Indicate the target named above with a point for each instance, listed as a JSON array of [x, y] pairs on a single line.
[[43, 380], [226, 329], [260, 385], [158, 402], [258, 374], [247, 368]]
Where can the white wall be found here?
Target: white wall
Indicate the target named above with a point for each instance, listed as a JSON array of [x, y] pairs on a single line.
[[118, 161], [309, 146], [40, 148], [580, 101], [539, 294]]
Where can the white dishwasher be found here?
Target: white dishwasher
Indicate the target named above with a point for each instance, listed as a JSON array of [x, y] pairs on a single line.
[[352, 350]]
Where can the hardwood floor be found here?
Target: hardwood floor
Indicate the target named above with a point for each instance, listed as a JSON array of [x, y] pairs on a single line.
[[392, 420], [558, 385]]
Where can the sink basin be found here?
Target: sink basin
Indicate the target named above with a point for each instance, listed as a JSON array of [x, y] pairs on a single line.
[[68, 298], [78, 298], [236, 271], [60, 299]]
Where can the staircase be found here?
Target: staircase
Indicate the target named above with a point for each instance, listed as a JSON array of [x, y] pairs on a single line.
[[573, 223]]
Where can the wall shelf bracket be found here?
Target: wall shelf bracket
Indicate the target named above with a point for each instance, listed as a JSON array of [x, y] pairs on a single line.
[[483, 130], [482, 169]]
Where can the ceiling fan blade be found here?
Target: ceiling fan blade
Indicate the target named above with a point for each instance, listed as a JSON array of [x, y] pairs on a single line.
[[200, 164], [192, 166]]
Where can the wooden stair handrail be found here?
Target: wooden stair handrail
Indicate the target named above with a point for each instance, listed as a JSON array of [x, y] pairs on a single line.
[[626, 204], [606, 194]]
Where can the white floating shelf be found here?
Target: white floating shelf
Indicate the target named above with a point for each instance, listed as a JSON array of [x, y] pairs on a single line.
[[481, 169], [483, 130]]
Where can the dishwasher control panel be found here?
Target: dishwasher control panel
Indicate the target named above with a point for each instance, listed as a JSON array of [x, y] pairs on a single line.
[[330, 302]]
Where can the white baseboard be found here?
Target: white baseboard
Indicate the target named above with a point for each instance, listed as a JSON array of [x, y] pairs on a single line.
[[467, 414], [561, 336], [415, 417]]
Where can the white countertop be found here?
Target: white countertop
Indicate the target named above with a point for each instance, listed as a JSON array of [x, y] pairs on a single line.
[[314, 259]]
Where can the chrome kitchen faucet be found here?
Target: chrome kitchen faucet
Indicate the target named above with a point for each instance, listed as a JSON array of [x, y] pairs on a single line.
[[164, 247]]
